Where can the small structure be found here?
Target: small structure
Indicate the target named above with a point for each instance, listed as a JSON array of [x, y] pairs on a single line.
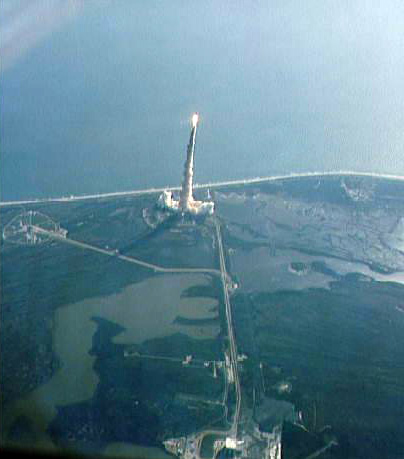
[[175, 446], [187, 360], [214, 370], [233, 443], [131, 351]]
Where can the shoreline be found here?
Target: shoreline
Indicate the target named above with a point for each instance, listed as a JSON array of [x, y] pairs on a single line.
[[117, 194]]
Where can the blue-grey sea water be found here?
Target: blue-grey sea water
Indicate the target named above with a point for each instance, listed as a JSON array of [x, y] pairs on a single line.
[[96, 95]]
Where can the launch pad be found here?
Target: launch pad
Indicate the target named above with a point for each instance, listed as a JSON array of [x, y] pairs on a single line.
[[31, 228], [186, 203]]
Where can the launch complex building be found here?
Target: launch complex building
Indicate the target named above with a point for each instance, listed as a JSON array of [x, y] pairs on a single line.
[[186, 203]]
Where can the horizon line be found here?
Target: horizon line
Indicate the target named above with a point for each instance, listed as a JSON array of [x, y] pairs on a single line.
[[223, 183]]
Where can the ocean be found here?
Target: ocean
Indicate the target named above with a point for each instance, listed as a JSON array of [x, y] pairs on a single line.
[[96, 96]]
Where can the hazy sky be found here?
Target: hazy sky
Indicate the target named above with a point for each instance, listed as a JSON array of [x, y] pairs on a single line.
[[96, 95]]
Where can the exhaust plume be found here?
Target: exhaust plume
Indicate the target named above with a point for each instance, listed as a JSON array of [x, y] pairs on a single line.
[[186, 198]]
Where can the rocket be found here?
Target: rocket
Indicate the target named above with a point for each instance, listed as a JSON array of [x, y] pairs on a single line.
[[186, 197], [186, 203]]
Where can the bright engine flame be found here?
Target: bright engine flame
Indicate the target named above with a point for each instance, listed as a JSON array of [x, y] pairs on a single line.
[[195, 119]]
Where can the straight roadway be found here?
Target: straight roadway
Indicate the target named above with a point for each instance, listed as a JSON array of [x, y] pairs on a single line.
[[115, 254], [230, 330]]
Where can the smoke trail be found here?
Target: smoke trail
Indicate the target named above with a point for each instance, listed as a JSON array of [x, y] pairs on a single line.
[[187, 184]]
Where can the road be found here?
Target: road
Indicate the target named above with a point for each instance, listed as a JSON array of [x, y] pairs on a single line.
[[112, 253], [230, 330], [193, 363]]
